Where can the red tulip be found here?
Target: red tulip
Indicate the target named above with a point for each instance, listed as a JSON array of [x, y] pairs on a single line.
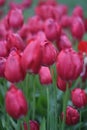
[[82, 46], [15, 18], [49, 53], [31, 58], [78, 11], [14, 40], [15, 102], [77, 28], [52, 29], [62, 84], [35, 24], [13, 69], [72, 116], [79, 97], [33, 125], [63, 42], [2, 66], [69, 64], [45, 75], [85, 23]]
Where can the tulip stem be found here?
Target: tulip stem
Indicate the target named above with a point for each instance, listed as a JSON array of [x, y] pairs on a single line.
[[66, 97], [48, 108]]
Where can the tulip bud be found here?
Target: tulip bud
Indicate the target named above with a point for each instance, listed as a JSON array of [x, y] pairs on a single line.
[[78, 11], [15, 18], [26, 3], [49, 53], [77, 28], [45, 75], [85, 23], [79, 97], [72, 116], [35, 24], [15, 102], [62, 84], [52, 29], [33, 125], [13, 69], [14, 40], [71, 69], [63, 42], [31, 58], [82, 46], [2, 66]]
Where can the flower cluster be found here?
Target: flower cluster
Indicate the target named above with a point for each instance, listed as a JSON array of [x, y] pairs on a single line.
[[35, 45]]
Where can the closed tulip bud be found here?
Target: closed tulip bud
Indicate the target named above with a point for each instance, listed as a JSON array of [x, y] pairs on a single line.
[[14, 40], [82, 46], [77, 28], [35, 24], [63, 42], [33, 125], [3, 49], [13, 69], [31, 58], [15, 18], [71, 69], [78, 11], [52, 29], [49, 53], [26, 3], [79, 97], [45, 75], [72, 116], [62, 84], [15, 102], [2, 66]]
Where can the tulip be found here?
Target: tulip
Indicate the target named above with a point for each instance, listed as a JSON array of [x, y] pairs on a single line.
[[14, 40], [45, 75], [15, 18], [78, 11], [31, 58], [49, 53], [52, 29], [69, 64], [82, 46], [2, 2], [77, 28], [3, 49], [33, 125], [15, 102], [72, 116], [62, 84], [79, 97], [63, 42], [13, 69]]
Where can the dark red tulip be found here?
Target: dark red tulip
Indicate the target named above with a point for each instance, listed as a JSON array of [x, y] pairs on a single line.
[[49, 53], [2, 2], [35, 24], [52, 29], [31, 58], [78, 11], [14, 40], [33, 125], [63, 42], [85, 23], [45, 75], [79, 97], [71, 69], [15, 102], [77, 28], [62, 84], [13, 69], [72, 116], [15, 18]]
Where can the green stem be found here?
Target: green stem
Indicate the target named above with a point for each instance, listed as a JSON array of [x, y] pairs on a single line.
[[48, 108], [66, 97]]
